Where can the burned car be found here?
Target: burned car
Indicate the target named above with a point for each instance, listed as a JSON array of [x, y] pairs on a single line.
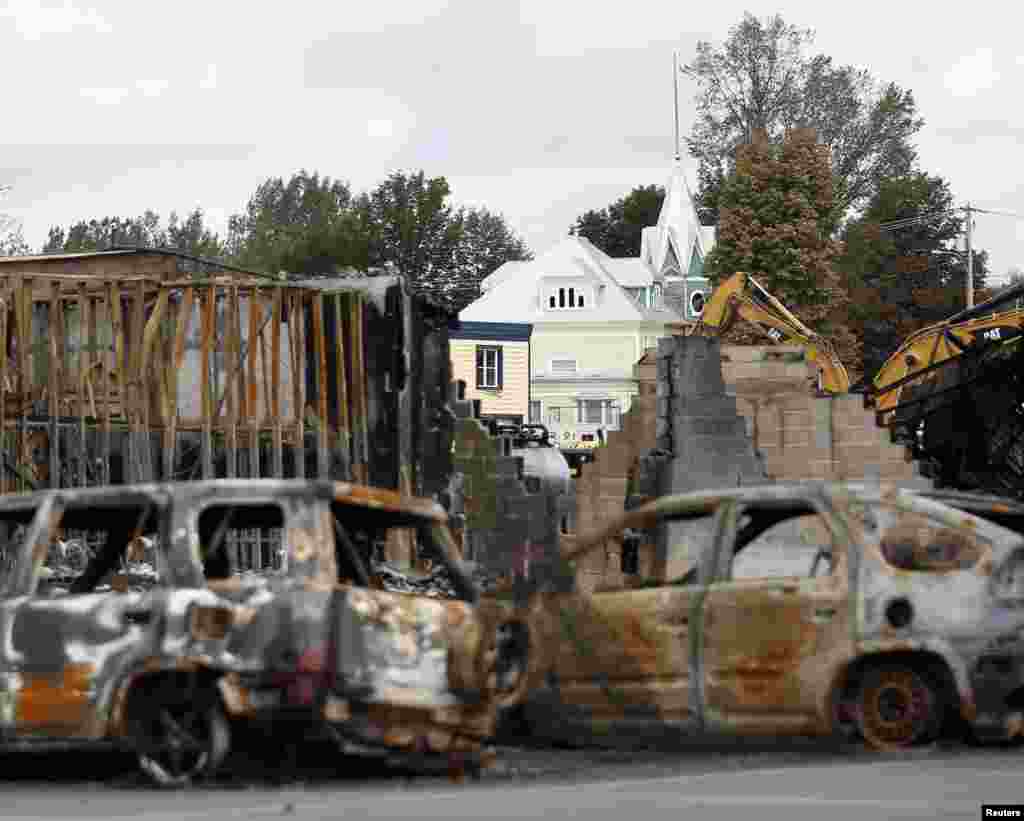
[[155, 617], [802, 609]]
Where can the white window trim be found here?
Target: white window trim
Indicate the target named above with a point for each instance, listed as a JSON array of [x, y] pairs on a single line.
[[490, 349], [540, 412]]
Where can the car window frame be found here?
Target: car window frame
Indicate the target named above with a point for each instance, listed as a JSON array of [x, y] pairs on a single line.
[[723, 564], [199, 506]]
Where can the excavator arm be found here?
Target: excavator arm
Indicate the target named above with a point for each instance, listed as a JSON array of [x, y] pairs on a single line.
[[741, 296], [926, 350]]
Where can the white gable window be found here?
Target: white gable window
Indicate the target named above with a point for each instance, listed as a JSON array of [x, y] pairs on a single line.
[[562, 298]]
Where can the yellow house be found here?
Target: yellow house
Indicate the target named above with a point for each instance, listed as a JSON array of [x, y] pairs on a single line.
[[493, 359], [593, 316]]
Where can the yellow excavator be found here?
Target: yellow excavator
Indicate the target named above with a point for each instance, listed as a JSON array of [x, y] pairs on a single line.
[[743, 296], [925, 351]]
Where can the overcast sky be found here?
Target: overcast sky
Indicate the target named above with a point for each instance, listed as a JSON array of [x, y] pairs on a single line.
[[539, 109]]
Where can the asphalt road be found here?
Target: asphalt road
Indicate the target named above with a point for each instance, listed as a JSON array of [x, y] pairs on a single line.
[[717, 780]]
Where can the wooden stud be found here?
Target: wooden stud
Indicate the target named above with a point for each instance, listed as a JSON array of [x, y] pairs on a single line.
[[344, 436], [56, 357], [4, 312], [84, 359], [275, 380], [252, 349], [296, 331], [147, 333], [168, 387], [95, 356], [231, 349], [182, 325], [208, 317], [23, 300], [320, 352], [109, 366]]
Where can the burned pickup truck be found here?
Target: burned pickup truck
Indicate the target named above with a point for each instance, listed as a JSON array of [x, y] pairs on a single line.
[[154, 617], [799, 609]]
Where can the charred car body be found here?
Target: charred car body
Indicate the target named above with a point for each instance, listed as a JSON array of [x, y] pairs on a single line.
[[789, 609], [255, 598]]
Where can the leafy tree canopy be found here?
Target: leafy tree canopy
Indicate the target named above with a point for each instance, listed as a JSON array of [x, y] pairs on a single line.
[[313, 226], [616, 229], [187, 236], [905, 276], [762, 78]]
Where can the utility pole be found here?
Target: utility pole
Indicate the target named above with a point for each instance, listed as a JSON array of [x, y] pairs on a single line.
[[969, 283]]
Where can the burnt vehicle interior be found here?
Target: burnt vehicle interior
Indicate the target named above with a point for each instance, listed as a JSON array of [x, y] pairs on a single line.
[[362, 536], [248, 538], [776, 539], [240, 538], [13, 529], [103, 547]]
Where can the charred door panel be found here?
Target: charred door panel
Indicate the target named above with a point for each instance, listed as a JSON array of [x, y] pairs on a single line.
[[627, 654], [69, 653], [772, 636]]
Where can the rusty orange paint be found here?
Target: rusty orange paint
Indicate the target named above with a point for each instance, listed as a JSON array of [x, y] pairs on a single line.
[[57, 699]]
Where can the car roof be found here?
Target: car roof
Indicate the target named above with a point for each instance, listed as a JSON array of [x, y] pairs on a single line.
[[346, 493]]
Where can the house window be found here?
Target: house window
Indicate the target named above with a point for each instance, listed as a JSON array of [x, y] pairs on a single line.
[[535, 410], [554, 416], [488, 366], [613, 415], [591, 411], [566, 298], [563, 367]]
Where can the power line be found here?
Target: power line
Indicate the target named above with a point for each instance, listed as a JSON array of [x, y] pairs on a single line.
[[906, 221], [999, 213]]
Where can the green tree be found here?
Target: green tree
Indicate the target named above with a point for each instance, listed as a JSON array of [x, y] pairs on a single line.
[[762, 79], [616, 229], [443, 251], [777, 218], [188, 236], [486, 243], [12, 241], [903, 263], [315, 226], [306, 226]]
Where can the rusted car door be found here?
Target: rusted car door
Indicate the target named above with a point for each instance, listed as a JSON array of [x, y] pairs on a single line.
[[775, 621], [630, 654], [67, 634]]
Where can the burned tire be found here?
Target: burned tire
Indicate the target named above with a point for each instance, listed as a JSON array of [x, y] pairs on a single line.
[[179, 739], [899, 707]]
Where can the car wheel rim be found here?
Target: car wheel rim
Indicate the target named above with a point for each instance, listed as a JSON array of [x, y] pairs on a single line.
[[896, 710], [182, 742]]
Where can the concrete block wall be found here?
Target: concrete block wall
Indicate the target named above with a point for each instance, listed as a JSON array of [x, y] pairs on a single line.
[[501, 525], [604, 484], [803, 436]]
